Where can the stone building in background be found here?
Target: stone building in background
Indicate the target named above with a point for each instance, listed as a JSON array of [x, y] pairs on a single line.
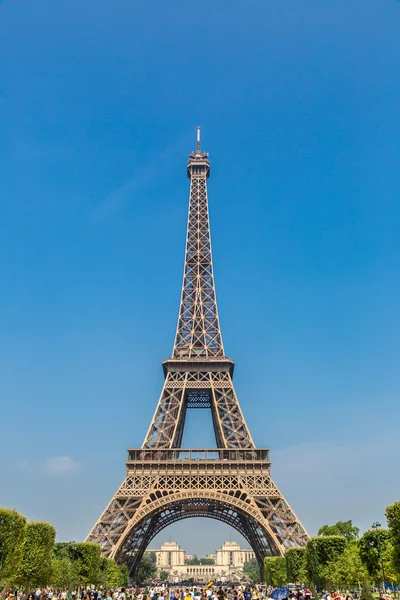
[[169, 556], [231, 554], [229, 561]]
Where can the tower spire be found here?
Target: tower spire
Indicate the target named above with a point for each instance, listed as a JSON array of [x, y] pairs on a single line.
[[198, 147], [198, 333]]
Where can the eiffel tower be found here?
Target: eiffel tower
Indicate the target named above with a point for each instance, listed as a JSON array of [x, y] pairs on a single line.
[[165, 483]]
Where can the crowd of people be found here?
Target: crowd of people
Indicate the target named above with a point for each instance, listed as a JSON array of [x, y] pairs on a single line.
[[206, 593], [148, 593], [352, 596], [209, 592]]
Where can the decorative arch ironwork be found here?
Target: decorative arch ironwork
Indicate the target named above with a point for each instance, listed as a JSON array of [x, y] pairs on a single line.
[[140, 534]]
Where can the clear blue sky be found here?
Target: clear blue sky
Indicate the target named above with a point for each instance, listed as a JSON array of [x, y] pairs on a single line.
[[299, 104]]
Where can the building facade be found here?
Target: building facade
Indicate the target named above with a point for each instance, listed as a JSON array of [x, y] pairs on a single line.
[[229, 561], [232, 555], [169, 556]]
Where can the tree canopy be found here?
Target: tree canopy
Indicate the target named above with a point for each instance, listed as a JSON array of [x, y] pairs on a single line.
[[164, 575], [372, 544], [37, 553], [275, 571], [62, 573], [344, 528], [147, 568], [295, 565], [192, 561], [393, 519], [85, 558], [251, 570], [347, 570], [12, 536], [320, 552], [112, 575]]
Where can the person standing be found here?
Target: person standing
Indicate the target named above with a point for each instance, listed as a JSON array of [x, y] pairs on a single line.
[[247, 595]]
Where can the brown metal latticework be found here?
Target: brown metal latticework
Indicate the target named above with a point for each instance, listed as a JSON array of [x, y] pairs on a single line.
[[165, 483]]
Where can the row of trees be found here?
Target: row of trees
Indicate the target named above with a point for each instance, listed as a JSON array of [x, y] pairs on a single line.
[[199, 561], [30, 558], [337, 557]]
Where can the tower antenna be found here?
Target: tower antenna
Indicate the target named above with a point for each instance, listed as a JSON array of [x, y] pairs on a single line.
[[198, 149]]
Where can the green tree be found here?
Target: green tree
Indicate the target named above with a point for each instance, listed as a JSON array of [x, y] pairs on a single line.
[[344, 528], [112, 574], [346, 571], [125, 574], [251, 570], [12, 536], [199, 561], [366, 593], [296, 565], [275, 571], [319, 552], [207, 561], [393, 519], [37, 553], [62, 573], [192, 561], [85, 559], [147, 568], [164, 575], [62, 549], [373, 545], [392, 575], [64, 568]]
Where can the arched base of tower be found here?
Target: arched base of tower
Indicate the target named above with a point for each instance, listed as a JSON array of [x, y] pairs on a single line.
[[141, 535], [232, 486]]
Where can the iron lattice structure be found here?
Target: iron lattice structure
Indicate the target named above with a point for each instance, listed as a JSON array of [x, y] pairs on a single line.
[[165, 483]]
